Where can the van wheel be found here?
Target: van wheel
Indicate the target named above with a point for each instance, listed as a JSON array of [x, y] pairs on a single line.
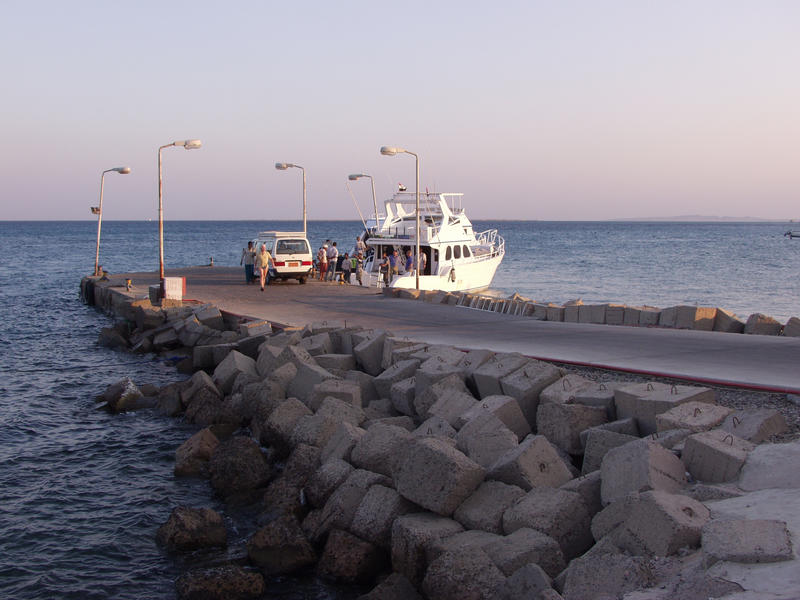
[[302, 280]]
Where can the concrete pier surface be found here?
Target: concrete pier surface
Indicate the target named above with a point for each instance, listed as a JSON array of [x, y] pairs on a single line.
[[758, 361]]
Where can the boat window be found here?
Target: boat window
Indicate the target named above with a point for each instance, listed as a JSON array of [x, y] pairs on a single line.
[[292, 247], [457, 251], [435, 255], [466, 252], [448, 254]]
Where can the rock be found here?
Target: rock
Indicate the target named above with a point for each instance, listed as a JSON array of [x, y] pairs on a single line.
[[695, 416], [341, 507], [467, 575], [120, 395], [280, 547], [281, 422], [377, 449], [637, 467], [342, 442], [534, 462], [772, 466], [282, 497], [746, 541], [395, 587], [754, 424], [168, 400], [341, 411], [375, 514], [324, 481], [403, 422], [727, 322], [191, 457], [715, 456], [606, 576], [235, 363], [527, 383], [526, 546], [111, 338], [560, 514], [758, 324], [435, 426], [661, 523], [485, 439], [485, 507], [349, 559], [237, 465], [228, 582], [191, 529], [411, 534], [562, 424], [315, 430], [598, 443], [588, 487], [433, 474], [529, 581], [792, 327]]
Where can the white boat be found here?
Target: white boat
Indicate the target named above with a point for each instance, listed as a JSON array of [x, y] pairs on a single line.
[[456, 258]]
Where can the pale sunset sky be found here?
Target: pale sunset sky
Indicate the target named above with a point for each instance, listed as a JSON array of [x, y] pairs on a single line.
[[582, 110]]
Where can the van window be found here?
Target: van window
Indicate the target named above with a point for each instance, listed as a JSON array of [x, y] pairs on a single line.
[[448, 254], [292, 247], [466, 252], [457, 251]]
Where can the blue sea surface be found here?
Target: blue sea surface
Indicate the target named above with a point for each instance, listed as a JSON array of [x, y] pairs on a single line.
[[82, 491]]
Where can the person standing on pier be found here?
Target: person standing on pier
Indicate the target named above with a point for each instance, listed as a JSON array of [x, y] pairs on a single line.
[[346, 267], [248, 260], [333, 257], [322, 261], [262, 264], [359, 267]]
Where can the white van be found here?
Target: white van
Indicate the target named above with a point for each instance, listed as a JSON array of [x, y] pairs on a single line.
[[291, 254]]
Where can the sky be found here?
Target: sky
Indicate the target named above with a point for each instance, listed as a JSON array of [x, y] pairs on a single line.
[[574, 110]]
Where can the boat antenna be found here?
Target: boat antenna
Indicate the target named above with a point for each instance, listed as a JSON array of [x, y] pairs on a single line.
[[353, 196]]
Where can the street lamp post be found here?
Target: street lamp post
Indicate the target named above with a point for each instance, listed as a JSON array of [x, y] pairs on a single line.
[[99, 211], [283, 167], [355, 177], [189, 145], [391, 151]]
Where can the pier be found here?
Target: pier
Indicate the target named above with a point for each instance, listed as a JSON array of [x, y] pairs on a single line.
[[756, 361]]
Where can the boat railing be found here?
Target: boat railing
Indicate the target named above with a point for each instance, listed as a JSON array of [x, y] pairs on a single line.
[[494, 243]]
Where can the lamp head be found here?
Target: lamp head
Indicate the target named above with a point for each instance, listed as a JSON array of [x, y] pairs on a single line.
[[122, 170], [355, 176], [282, 166], [390, 150], [191, 144]]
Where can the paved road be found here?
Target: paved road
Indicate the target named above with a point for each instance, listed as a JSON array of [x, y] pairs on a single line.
[[763, 362]]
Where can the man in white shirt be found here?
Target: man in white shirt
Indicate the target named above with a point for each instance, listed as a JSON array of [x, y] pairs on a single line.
[[333, 255]]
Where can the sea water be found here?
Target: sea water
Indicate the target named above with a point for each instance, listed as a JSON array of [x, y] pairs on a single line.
[[82, 492]]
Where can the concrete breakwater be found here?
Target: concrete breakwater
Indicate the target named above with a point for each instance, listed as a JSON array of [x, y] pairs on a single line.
[[699, 318], [430, 472]]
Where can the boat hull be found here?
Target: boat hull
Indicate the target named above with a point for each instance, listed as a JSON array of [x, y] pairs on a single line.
[[470, 277]]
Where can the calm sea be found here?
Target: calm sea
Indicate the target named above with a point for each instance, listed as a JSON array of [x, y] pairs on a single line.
[[82, 492]]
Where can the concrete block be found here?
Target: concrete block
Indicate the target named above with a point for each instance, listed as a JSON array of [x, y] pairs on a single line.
[[627, 426], [638, 467], [505, 408], [485, 439], [369, 353], [342, 362], [772, 466], [267, 358], [390, 345], [395, 587], [649, 316], [402, 394], [431, 473], [166, 339], [600, 394], [318, 327], [572, 313], [668, 317], [423, 401], [191, 457], [671, 439], [560, 514], [342, 339], [487, 377], [615, 314], [377, 449], [598, 443], [643, 401], [630, 315], [588, 487], [727, 322], [317, 344], [432, 371], [695, 416], [527, 383], [314, 430], [255, 328], [411, 533], [700, 318], [485, 507], [754, 424], [295, 355], [324, 481], [592, 313], [235, 363], [376, 512], [564, 389], [341, 506], [607, 575], [534, 462], [523, 547], [396, 372], [210, 316], [283, 375], [445, 354], [746, 541], [341, 443], [364, 380], [308, 376], [792, 327], [468, 573], [281, 422], [341, 410], [661, 523], [715, 456], [555, 313], [758, 324], [198, 381], [612, 516], [450, 405], [379, 409], [347, 558], [249, 346], [346, 391], [403, 422], [408, 294], [539, 311], [562, 424], [435, 426], [402, 352], [465, 540]]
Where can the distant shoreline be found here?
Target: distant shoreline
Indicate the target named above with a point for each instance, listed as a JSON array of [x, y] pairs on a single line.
[[676, 219]]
